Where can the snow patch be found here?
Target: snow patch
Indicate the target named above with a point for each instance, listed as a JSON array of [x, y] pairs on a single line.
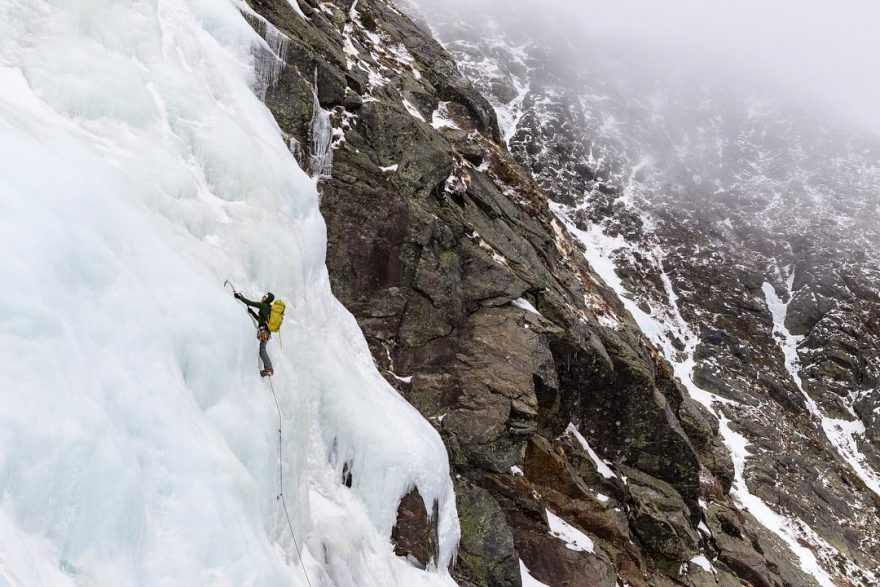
[[525, 305], [496, 256], [774, 522], [440, 118], [574, 539], [414, 112], [526, 576], [295, 5], [601, 466], [701, 561], [840, 433]]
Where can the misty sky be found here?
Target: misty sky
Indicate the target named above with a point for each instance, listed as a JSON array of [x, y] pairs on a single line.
[[824, 51], [816, 51]]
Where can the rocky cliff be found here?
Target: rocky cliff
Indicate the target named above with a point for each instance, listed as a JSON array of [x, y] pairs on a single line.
[[741, 232], [584, 454]]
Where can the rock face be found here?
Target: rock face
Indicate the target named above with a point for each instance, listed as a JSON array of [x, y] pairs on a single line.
[[415, 531], [481, 308], [742, 235]]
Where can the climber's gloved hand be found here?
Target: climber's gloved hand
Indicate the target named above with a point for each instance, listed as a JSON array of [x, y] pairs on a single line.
[[238, 296]]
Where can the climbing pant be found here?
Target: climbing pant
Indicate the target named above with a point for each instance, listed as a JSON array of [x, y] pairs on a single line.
[[264, 335]]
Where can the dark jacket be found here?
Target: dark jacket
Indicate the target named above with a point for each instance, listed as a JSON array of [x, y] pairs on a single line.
[[263, 310]]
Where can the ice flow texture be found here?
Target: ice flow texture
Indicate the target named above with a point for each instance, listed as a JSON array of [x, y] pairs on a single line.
[[137, 443]]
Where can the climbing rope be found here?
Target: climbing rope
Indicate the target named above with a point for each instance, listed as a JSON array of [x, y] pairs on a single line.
[[281, 486], [280, 455]]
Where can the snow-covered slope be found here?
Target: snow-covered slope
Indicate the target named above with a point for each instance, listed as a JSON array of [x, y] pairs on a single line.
[[138, 170]]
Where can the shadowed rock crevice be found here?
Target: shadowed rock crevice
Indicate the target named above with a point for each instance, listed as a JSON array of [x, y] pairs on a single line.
[[414, 535]]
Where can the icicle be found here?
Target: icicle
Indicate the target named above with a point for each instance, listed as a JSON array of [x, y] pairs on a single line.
[[321, 149], [296, 149], [269, 59]]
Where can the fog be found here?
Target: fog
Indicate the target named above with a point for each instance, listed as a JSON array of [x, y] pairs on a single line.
[[820, 53]]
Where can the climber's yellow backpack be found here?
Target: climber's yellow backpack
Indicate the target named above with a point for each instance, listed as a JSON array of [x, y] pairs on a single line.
[[276, 316]]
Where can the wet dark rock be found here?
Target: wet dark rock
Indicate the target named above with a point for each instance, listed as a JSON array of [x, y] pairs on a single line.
[[414, 535], [661, 520], [751, 552], [553, 563], [486, 554]]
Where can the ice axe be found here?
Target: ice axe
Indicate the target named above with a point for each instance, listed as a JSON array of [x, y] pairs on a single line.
[[232, 287]]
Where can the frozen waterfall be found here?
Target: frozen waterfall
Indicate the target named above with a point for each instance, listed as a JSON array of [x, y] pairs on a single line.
[[138, 170]]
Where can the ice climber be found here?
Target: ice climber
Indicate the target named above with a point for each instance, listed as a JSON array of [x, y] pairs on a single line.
[[262, 316]]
